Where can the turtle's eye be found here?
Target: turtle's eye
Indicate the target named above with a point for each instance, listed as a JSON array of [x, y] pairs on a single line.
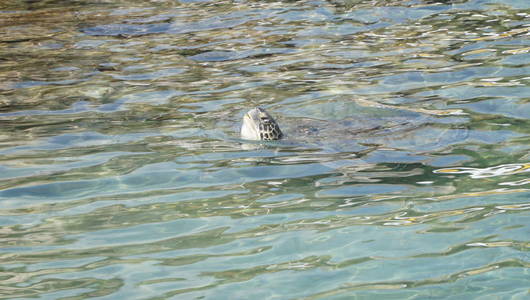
[[265, 119], [263, 116]]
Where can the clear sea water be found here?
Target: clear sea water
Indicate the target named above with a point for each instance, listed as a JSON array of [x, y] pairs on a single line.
[[404, 174]]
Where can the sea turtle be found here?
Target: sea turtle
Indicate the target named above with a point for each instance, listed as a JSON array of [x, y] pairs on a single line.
[[259, 125], [392, 128]]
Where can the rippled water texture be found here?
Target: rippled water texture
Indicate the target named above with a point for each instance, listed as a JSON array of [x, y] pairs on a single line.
[[404, 174]]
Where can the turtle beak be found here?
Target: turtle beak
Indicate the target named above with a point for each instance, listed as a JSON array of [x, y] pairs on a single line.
[[250, 127]]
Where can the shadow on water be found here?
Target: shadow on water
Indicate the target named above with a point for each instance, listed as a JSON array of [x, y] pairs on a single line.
[[404, 173]]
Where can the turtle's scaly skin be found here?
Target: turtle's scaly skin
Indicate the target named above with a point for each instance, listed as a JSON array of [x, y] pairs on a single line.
[[258, 124], [269, 130]]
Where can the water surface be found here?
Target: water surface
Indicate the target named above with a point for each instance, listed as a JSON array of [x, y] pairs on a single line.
[[404, 174]]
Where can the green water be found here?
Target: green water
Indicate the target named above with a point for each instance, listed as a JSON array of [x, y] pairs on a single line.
[[404, 174]]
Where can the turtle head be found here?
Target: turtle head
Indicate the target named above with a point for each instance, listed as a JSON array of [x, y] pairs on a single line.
[[258, 124]]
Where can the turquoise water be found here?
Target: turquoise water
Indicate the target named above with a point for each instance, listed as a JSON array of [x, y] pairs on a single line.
[[404, 174]]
